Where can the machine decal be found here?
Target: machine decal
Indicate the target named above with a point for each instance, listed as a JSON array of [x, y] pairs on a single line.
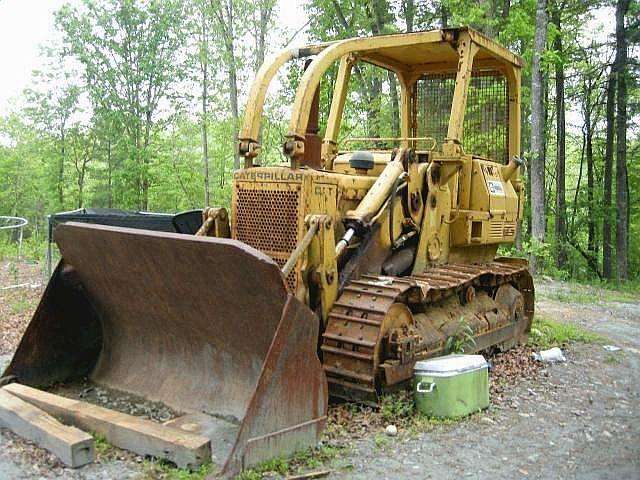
[[495, 187], [277, 176]]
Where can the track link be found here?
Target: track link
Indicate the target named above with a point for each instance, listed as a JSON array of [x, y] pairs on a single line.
[[351, 341]]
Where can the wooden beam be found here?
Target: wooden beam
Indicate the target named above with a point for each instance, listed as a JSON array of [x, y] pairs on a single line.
[[135, 434], [71, 445]]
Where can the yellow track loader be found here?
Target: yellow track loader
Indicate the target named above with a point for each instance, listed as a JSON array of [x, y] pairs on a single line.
[[330, 275]]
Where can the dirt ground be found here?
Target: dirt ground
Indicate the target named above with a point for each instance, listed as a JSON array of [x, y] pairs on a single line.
[[579, 419]]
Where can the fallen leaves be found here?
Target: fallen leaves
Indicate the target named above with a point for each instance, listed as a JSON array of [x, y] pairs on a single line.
[[16, 304], [508, 368]]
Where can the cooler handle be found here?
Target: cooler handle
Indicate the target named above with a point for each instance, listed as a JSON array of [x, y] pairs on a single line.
[[419, 388]]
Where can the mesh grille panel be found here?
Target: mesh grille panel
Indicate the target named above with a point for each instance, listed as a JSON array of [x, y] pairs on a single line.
[[291, 278], [268, 221], [486, 123]]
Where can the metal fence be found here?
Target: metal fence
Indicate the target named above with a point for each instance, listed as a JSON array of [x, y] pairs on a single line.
[[15, 272]]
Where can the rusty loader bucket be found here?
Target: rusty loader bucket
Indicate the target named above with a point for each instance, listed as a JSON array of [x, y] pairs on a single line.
[[204, 325]]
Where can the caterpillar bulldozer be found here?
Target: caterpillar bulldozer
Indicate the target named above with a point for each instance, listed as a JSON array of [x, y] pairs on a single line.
[[331, 274]]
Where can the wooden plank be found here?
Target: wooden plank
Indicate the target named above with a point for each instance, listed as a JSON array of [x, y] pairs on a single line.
[[71, 445], [223, 433], [128, 432]]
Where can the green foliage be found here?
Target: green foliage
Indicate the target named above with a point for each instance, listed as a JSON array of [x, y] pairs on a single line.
[[594, 293], [614, 358], [397, 407], [168, 471], [380, 441], [547, 333], [462, 340], [114, 118], [19, 305], [103, 448], [301, 461]]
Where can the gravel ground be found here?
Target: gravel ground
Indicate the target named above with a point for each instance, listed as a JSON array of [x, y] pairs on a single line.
[[579, 419], [116, 400]]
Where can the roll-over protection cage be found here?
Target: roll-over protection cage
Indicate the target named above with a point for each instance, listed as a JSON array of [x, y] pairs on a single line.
[[451, 81]]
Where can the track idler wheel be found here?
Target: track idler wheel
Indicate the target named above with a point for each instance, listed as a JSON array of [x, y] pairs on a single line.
[[509, 298]]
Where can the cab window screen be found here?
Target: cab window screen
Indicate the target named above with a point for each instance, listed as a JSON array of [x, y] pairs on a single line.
[[486, 123]]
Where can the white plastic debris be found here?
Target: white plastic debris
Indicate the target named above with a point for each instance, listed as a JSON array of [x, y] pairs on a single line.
[[549, 356], [611, 348], [391, 430]]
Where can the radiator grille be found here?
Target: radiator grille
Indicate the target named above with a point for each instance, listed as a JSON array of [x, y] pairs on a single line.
[[486, 122], [268, 221]]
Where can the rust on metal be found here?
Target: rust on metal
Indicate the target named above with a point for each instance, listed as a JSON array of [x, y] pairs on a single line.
[[363, 355], [268, 220], [201, 324]]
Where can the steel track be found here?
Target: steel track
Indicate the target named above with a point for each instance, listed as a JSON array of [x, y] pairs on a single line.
[[357, 327]]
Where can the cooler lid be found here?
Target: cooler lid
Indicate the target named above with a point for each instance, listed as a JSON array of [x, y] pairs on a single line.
[[450, 364]]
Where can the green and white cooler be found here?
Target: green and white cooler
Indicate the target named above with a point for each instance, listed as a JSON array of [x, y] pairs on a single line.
[[451, 386]]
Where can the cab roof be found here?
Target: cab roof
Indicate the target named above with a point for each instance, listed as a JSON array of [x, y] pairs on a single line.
[[430, 50]]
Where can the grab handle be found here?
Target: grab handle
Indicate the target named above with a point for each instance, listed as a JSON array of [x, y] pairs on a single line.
[[419, 388]]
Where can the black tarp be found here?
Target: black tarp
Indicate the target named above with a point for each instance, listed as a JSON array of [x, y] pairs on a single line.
[[186, 222]]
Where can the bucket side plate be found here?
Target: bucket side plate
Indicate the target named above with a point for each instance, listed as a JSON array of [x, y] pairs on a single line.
[[185, 320]]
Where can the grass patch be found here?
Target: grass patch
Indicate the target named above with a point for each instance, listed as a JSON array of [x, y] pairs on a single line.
[[614, 358], [20, 305], [312, 458], [399, 409], [424, 423], [546, 333], [596, 293], [103, 448], [168, 471], [380, 441]]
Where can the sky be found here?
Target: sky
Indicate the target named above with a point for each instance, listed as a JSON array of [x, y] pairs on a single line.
[[25, 25]]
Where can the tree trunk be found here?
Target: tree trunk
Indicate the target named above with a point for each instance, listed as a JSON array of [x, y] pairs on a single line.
[[444, 15], [375, 89], [61, 164], [561, 205], [607, 246], [204, 69], [109, 175], [373, 107], [506, 8], [591, 224], [224, 15], [81, 186], [233, 81], [538, 221], [235, 118], [266, 9], [145, 162], [622, 193], [409, 10], [395, 107]]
